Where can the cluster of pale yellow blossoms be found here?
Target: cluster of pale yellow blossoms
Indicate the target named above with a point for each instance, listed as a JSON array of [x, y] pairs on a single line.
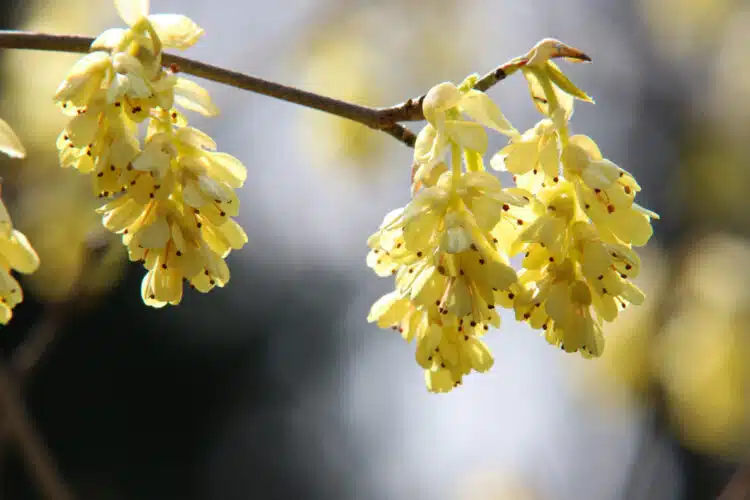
[[171, 195], [571, 214], [16, 254]]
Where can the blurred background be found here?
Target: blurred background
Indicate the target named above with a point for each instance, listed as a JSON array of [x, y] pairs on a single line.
[[275, 387]]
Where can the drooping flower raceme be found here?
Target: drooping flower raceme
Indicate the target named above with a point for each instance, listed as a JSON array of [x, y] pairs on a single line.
[[449, 267], [579, 256], [171, 194], [16, 253], [571, 215]]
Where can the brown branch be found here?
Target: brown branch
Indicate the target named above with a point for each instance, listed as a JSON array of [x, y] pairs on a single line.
[[411, 109], [14, 422], [30, 351], [362, 114], [386, 119], [739, 486]]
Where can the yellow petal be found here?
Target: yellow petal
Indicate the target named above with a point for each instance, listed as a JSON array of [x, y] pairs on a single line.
[[558, 304], [426, 344], [193, 97], [227, 168], [109, 40], [234, 234], [175, 30], [123, 215], [517, 157], [600, 174], [6, 313], [6, 226], [605, 306], [438, 381], [587, 144], [132, 11], [20, 254], [631, 226], [167, 283], [479, 353], [633, 294], [467, 135], [155, 235], [10, 144], [147, 291], [549, 157], [382, 311], [483, 110], [498, 275], [82, 129], [84, 78], [196, 138], [425, 140]]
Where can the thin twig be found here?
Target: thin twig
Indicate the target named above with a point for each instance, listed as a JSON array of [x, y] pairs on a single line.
[[739, 486], [29, 352], [25, 358], [365, 115], [31, 446], [386, 119], [411, 109], [14, 422]]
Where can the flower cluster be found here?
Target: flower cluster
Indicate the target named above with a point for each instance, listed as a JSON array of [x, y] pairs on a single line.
[[171, 195], [571, 214], [16, 253]]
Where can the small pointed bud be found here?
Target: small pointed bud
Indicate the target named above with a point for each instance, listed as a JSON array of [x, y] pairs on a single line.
[[549, 48]]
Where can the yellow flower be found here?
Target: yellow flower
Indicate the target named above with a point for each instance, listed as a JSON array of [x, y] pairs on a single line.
[[16, 252], [608, 269], [458, 211], [559, 303], [447, 348], [533, 157], [547, 238], [85, 79], [571, 326], [174, 30], [571, 213], [606, 193], [448, 268], [443, 106], [174, 194], [175, 215]]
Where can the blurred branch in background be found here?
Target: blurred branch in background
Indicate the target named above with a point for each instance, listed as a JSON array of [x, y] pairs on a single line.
[[17, 426], [739, 486], [711, 161], [15, 422]]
